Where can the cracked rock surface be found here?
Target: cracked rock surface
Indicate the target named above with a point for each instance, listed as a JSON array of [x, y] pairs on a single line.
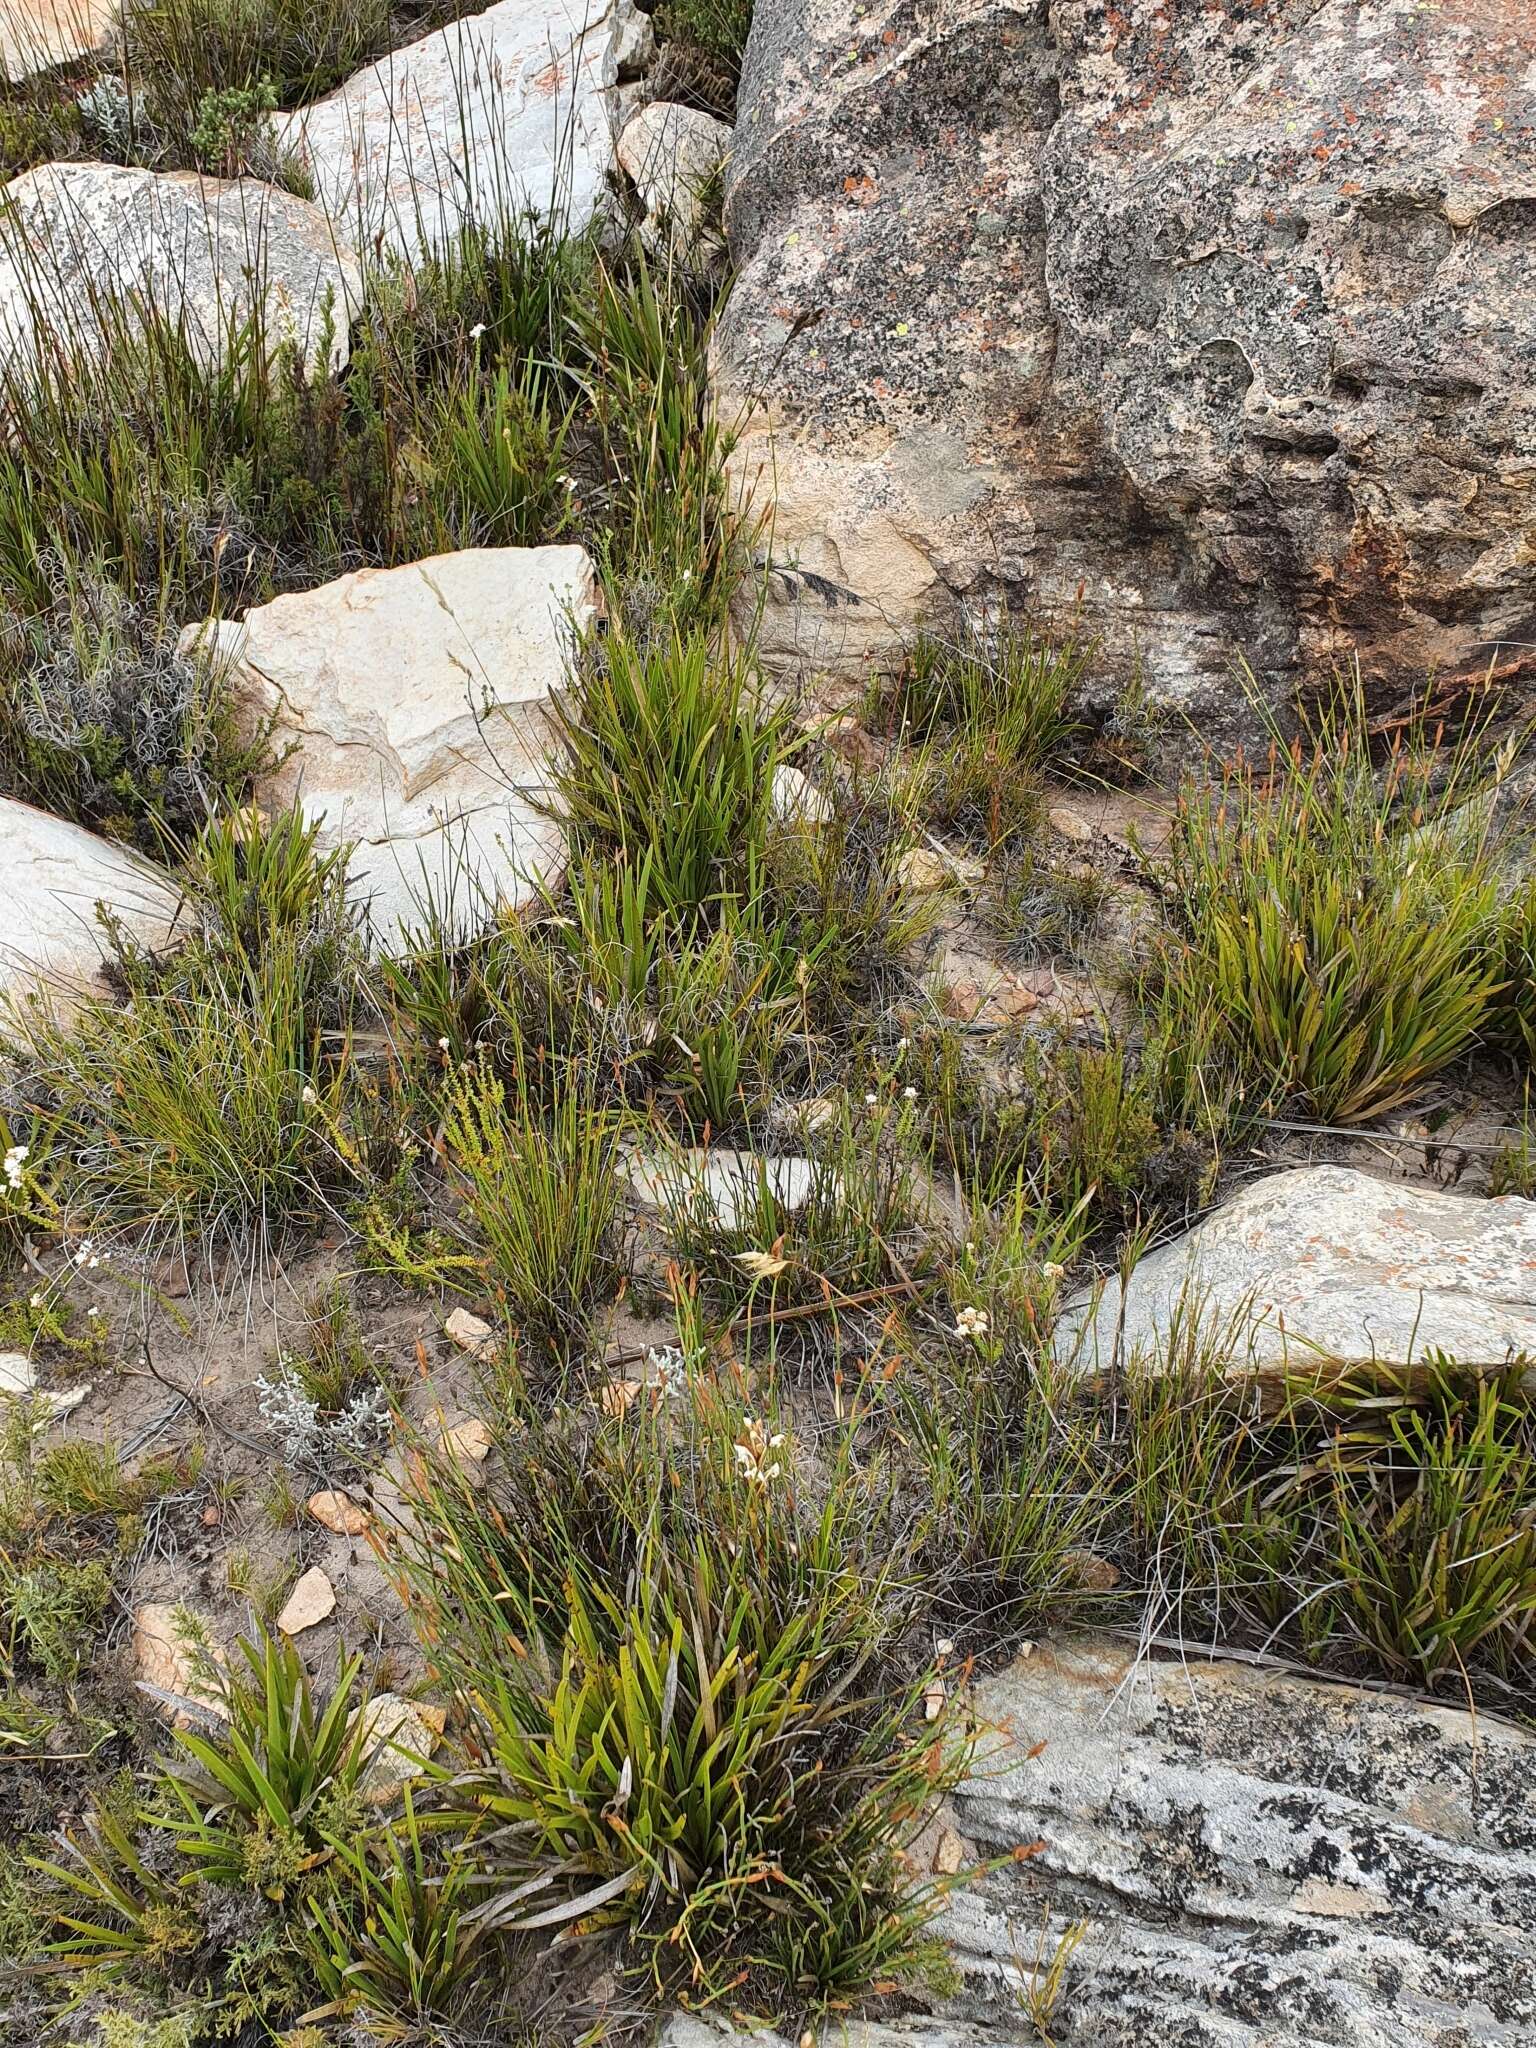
[[409, 704], [1217, 319]]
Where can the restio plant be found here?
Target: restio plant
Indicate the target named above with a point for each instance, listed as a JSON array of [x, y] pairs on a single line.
[[988, 710], [539, 1184], [667, 765], [208, 1107]]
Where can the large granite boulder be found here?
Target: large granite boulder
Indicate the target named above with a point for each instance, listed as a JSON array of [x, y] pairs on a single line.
[[51, 942], [35, 35], [85, 246], [407, 704], [1215, 324], [500, 113], [1261, 1861], [1325, 1265]]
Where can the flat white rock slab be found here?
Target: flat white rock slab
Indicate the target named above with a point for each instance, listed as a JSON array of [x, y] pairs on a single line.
[[54, 875], [36, 35], [80, 242], [1332, 1264], [727, 1183], [412, 701], [495, 115]]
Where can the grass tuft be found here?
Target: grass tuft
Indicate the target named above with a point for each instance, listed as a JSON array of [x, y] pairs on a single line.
[[1334, 930]]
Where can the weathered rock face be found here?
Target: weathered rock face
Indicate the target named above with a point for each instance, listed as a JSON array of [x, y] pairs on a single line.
[[1330, 1264], [80, 243], [496, 114], [37, 34], [672, 155], [1215, 319], [1266, 1861], [1263, 1861], [55, 874], [411, 701]]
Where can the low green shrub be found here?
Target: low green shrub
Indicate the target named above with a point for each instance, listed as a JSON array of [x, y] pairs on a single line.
[[399, 1939], [718, 27], [179, 54], [103, 720], [263, 1800]]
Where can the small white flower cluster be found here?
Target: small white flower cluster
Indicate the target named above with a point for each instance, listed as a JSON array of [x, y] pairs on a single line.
[[308, 1437], [754, 1449], [666, 1370], [14, 1167], [972, 1323], [86, 1254]]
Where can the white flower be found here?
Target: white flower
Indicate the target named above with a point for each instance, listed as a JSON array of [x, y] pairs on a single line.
[[903, 1044], [83, 1251], [1052, 1271], [443, 1045], [309, 1098], [909, 1095], [14, 1162], [34, 1301], [93, 1312], [761, 1265], [870, 1101], [93, 1263], [477, 330], [752, 1453], [972, 1324]]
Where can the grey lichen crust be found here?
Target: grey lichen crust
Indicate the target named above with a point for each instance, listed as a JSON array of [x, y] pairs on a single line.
[[1267, 1861], [1263, 1860]]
